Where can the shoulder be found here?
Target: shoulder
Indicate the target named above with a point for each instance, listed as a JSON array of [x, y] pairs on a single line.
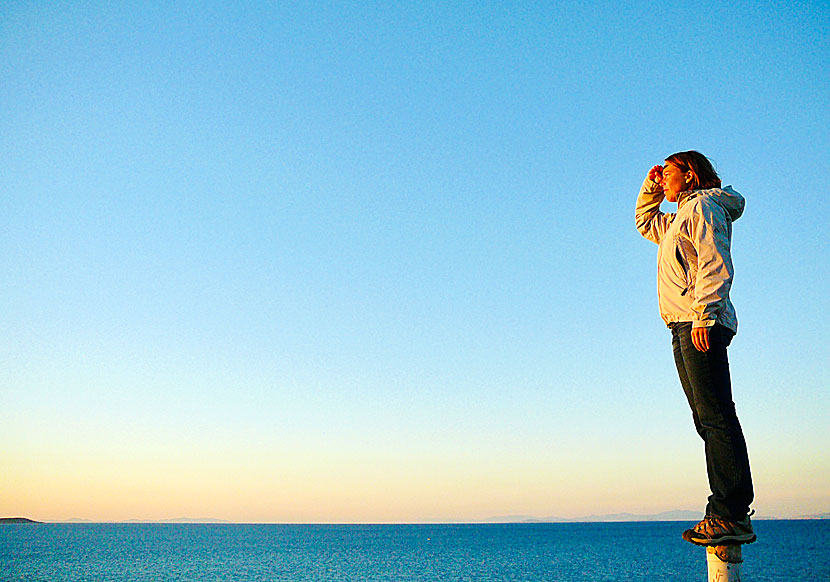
[[705, 204]]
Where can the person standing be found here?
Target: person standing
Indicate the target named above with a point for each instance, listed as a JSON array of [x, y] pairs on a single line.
[[694, 275]]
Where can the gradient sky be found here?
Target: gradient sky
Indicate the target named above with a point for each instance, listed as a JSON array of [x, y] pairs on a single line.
[[356, 261]]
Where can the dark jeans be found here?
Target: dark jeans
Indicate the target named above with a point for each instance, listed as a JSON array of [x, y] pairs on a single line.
[[705, 379]]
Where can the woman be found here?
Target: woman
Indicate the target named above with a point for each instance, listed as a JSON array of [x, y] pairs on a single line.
[[694, 274]]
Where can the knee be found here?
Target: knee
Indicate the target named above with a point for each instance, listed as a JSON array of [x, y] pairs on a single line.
[[712, 420]]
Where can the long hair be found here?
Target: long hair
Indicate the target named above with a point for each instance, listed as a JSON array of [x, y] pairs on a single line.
[[699, 165]]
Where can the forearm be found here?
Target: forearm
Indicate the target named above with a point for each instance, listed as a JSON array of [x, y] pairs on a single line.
[[651, 223], [711, 292]]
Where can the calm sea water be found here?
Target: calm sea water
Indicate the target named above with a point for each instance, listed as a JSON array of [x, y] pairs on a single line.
[[786, 550]]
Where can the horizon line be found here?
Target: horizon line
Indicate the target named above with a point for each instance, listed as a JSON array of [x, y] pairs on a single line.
[[507, 520]]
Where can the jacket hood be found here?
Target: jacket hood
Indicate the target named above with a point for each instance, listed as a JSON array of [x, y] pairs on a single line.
[[731, 201]]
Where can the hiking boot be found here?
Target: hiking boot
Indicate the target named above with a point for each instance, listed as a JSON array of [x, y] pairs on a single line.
[[716, 531]]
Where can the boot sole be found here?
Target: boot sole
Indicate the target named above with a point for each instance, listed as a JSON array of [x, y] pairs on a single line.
[[727, 540]]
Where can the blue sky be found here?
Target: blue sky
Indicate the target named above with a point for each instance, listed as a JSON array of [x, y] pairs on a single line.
[[295, 261]]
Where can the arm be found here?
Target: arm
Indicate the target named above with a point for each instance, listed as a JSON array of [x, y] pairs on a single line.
[[651, 223], [710, 234]]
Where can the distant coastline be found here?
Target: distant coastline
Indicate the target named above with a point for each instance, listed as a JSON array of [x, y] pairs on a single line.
[[17, 520], [676, 515]]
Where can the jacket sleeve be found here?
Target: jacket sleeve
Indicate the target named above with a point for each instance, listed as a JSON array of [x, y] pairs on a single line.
[[651, 223], [711, 233]]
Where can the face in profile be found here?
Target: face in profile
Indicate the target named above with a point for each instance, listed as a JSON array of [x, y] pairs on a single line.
[[675, 181]]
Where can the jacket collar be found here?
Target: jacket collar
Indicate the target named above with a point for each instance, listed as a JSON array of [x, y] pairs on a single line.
[[683, 197]]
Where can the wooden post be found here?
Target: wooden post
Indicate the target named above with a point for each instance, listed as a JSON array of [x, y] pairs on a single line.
[[724, 563]]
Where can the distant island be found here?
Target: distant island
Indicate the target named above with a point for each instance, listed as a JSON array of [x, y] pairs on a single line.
[[17, 520]]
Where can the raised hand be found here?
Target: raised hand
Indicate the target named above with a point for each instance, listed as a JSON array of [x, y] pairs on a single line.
[[656, 174]]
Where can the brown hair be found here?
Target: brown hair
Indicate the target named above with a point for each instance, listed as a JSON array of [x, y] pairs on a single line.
[[699, 165]]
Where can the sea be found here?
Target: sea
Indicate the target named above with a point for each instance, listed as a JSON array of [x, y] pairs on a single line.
[[791, 550]]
